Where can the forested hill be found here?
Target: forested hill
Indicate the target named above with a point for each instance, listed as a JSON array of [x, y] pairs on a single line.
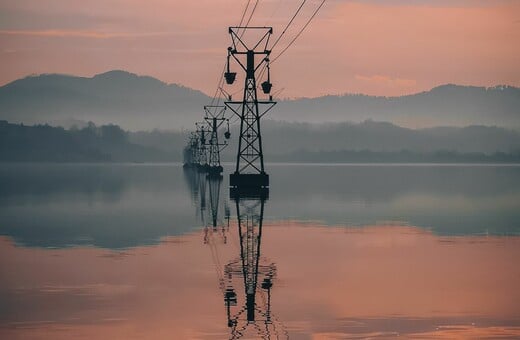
[[284, 142], [44, 143]]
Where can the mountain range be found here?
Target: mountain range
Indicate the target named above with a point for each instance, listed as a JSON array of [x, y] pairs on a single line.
[[135, 102], [144, 103]]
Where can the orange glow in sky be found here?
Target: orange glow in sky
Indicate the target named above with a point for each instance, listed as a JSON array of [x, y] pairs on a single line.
[[375, 47]]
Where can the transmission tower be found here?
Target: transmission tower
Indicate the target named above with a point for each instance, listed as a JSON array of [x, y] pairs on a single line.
[[191, 151], [249, 50], [215, 118], [202, 156]]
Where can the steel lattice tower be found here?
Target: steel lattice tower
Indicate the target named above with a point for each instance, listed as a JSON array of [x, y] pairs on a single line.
[[194, 149], [202, 156], [214, 118], [249, 170]]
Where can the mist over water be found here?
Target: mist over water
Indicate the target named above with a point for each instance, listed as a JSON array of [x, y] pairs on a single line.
[[126, 205]]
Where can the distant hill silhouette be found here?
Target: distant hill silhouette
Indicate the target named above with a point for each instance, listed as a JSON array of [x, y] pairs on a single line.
[[143, 103], [446, 105], [135, 102]]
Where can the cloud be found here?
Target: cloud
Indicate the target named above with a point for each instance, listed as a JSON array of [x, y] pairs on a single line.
[[82, 34], [387, 81], [430, 41], [432, 3]]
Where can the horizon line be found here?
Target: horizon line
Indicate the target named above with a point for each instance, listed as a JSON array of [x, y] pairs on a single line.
[[344, 94]]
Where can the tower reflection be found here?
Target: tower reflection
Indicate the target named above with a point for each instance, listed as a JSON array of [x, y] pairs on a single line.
[[215, 226], [246, 282], [252, 274]]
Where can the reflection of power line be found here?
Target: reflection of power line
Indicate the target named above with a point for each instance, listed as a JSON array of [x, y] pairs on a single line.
[[256, 275], [248, 308], [215, 230], [214, 200], [202, 196], [192, 178]]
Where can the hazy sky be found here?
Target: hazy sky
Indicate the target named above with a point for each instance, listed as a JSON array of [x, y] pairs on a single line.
[[380, 47]]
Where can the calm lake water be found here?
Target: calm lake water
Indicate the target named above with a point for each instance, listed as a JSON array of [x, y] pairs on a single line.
[[142, 251]]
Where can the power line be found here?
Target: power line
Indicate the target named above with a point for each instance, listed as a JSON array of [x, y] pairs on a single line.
[[264, 68], [243, 31], [301, 31], [244, 14], [289, 24], [219, 84], [221, 80], [262, 71], [250, 17]]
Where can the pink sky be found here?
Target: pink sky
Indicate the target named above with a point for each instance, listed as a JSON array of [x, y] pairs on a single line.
[[375, 47]]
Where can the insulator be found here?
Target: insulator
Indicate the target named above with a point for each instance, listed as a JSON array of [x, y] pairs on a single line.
[[227, 134], [230, 76], [267, 283], [266, 87]]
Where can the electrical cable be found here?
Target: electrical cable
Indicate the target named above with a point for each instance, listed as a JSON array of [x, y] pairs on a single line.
[[219, 84], [244, 14], [221, 80], [301, 31], [250, 17], [288, 24], [262, 71]]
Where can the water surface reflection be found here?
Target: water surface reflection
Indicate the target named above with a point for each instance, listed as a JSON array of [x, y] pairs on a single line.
[[376, 280], [138, 251], [125, 205]]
